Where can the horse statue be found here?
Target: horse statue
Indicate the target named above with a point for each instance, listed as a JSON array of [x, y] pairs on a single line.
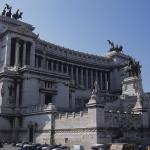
[[114, 47], [8, 14], [111, 45], [8, 7], [20, 15], [16, 15], [4, 12]]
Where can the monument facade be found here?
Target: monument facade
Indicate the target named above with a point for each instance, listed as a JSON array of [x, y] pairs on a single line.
[[56, 95]]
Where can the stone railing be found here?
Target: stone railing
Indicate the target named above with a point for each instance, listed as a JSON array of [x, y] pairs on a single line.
[[68, 115], [36, 109], [7, 110]]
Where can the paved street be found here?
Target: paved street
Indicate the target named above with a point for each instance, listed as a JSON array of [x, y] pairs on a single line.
[[9, 147]]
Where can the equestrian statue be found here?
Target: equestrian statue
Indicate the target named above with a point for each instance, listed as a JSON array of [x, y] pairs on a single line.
[[7, 11]]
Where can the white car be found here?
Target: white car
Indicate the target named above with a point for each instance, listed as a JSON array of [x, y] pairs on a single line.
[[98, 147], [78, 147]]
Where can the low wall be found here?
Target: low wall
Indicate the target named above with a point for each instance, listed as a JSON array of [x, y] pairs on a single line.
[[119, 119], [71, 120]]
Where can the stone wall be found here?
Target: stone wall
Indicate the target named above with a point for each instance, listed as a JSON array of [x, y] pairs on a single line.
[[73, 128], [42, 127], [5, 129]]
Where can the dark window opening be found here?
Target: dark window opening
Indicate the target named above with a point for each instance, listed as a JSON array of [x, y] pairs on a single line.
[[59, 67], [48, 99], [31, 134], [28, 49], [64, 68], [21, 53], [79, 76], [103, 81], [69, 70], [54, 66], [12, 55], [89, 79], [84, 77], [49, 65], [39, 59]]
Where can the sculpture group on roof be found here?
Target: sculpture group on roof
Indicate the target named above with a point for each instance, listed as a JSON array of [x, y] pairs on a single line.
[[133, 68], [114, 47], [8, 13]]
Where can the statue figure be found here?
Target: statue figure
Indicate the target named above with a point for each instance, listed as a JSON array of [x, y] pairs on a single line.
[[8, 14], [121, 48], [115, 47], [20, 15], [17, 15], [111, 44], [133, 68], [8, 7], [4, 12]]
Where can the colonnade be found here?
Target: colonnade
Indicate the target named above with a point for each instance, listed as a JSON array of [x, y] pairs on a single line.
[[20, 52], [80, 75]]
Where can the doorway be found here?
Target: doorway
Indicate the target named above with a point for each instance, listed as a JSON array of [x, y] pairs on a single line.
[[31, 134]]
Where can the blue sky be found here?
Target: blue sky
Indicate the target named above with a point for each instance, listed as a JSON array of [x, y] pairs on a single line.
[[86, 25]]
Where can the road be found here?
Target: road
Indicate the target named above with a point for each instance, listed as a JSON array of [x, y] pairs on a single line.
[[9, 147]]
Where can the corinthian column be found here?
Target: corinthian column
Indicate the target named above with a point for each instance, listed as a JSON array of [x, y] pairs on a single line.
[[82, 82], [62, 67], [96, 78], [106, 83], [77, 77], [24, 54], [87, 85], [17, 54], [67, 68], [91, 78], [8, 51], [71, 72], [101, 80]]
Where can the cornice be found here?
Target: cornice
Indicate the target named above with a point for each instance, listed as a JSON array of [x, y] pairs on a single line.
[[15, 22], [70, 54]]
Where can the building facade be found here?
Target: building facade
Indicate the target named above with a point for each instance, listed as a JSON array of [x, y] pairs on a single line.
[[56, 95]]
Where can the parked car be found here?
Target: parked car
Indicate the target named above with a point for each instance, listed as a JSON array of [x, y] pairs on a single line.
[[45, 147], [77, 147], [19, 144], [122, 146], [60, 147], [28, 147], [98, 147], [37, 146], [1, 144]]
